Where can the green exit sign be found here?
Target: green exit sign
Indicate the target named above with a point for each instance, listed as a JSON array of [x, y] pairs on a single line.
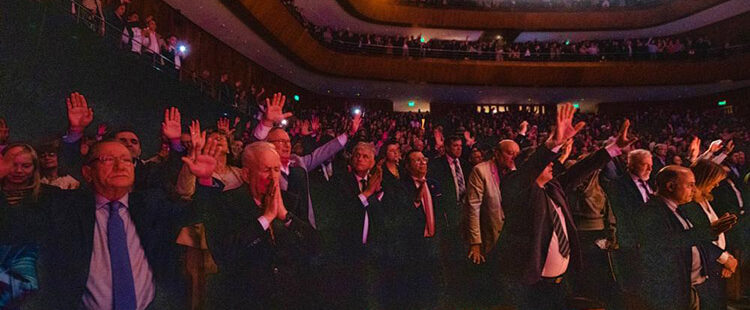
[[411, 103], [722, 103], [575, 105]]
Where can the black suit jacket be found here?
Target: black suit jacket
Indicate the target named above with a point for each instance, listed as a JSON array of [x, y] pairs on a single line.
[[256, 270], [626, 200], [725, 201], [710, 252], [441, 171], [349, 217], [62, 223], [525, 238], [666, 255], [406, 221]]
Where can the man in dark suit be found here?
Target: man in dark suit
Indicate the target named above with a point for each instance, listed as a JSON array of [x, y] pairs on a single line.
[[358, 226], [258, 245], [729, 197], [539, 239], [660, 160], [626, 194], [414, 227], [671, 258], [109, 247]]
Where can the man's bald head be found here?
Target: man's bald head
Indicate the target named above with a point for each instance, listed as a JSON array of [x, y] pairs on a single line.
[[260, 165], [676, 183], [506, 153]]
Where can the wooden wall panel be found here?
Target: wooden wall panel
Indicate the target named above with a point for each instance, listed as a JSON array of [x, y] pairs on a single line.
[[389, 12]]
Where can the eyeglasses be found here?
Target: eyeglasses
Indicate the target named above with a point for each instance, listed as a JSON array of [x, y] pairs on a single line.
[[108, 160]]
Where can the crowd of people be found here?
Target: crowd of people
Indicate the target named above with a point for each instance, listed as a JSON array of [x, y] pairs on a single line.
[[123, 29], [533, 4], [317, 208], [655, 48]]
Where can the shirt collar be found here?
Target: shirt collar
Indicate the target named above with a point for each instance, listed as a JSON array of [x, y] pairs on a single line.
[[102, 202], [450, 159], [671, 204]]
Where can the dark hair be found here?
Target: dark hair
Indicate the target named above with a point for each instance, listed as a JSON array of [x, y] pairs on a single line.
[[452, 139]]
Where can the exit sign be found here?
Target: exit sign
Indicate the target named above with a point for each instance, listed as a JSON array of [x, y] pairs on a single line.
[[722, 103], [411, 103]]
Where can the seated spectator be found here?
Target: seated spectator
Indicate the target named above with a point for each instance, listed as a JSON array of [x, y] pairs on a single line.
[[49, 169]]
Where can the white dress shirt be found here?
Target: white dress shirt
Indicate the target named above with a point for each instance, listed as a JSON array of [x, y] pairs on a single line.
[[98, 294], [555, 264]]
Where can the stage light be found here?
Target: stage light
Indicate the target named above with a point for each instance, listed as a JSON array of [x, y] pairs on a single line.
[[411, 103], [722, 103], [284, 122], [357, 111], [183, 48]]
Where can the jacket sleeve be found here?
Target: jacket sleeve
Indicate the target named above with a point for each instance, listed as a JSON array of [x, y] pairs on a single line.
[[474, 194]]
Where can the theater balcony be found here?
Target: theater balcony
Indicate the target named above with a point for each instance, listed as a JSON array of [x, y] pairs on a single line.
[[291, 38], [401, 12]]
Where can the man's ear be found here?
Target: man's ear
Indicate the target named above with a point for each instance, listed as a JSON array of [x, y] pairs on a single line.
[[88, 173], [245, 174], [671, 185]]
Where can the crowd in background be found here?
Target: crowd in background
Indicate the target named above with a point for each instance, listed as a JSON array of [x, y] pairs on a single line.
[[656, 48], [421, 217]]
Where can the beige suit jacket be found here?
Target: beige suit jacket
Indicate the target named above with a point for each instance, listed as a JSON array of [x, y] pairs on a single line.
[[484, 215]]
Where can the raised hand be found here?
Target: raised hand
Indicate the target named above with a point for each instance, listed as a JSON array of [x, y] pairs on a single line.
[[354, 126], [694, 149], [715, 146], [4, 132], [202, 162], [315, 124], [723, 224], [6, 163], [275, 110], [305, 128], [623, 140], [375, 179], [79, 113], [564, 129], [523, 128], [469, 140], [223, 125], [101, 130], [270, 205], [197, 137], [171, 127], [729, 147]]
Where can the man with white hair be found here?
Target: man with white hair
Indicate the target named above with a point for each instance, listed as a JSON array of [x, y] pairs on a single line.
[[258, 245], [626, 195]]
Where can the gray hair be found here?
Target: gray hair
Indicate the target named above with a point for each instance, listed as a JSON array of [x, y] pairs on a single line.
[[365, 146], [251, 151], [638, 155]]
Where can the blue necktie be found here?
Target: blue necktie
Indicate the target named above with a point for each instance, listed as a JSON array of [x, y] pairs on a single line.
[[123, 286]]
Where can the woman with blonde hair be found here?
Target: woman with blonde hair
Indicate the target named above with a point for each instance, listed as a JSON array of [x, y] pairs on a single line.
[[18, 261], [718, 264]]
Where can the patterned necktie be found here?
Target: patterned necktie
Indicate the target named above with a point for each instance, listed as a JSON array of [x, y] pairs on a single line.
[[562, 240], [123, 286], [459, 179]]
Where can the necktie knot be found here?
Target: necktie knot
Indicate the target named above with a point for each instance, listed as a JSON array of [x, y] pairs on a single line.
[[114, 207]]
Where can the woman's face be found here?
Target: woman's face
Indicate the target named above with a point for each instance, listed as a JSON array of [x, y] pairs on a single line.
[[23, 167], [393, 153]]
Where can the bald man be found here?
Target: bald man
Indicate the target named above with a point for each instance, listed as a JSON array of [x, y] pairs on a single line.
[[258, 244], [671, 259], [484, 215]]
